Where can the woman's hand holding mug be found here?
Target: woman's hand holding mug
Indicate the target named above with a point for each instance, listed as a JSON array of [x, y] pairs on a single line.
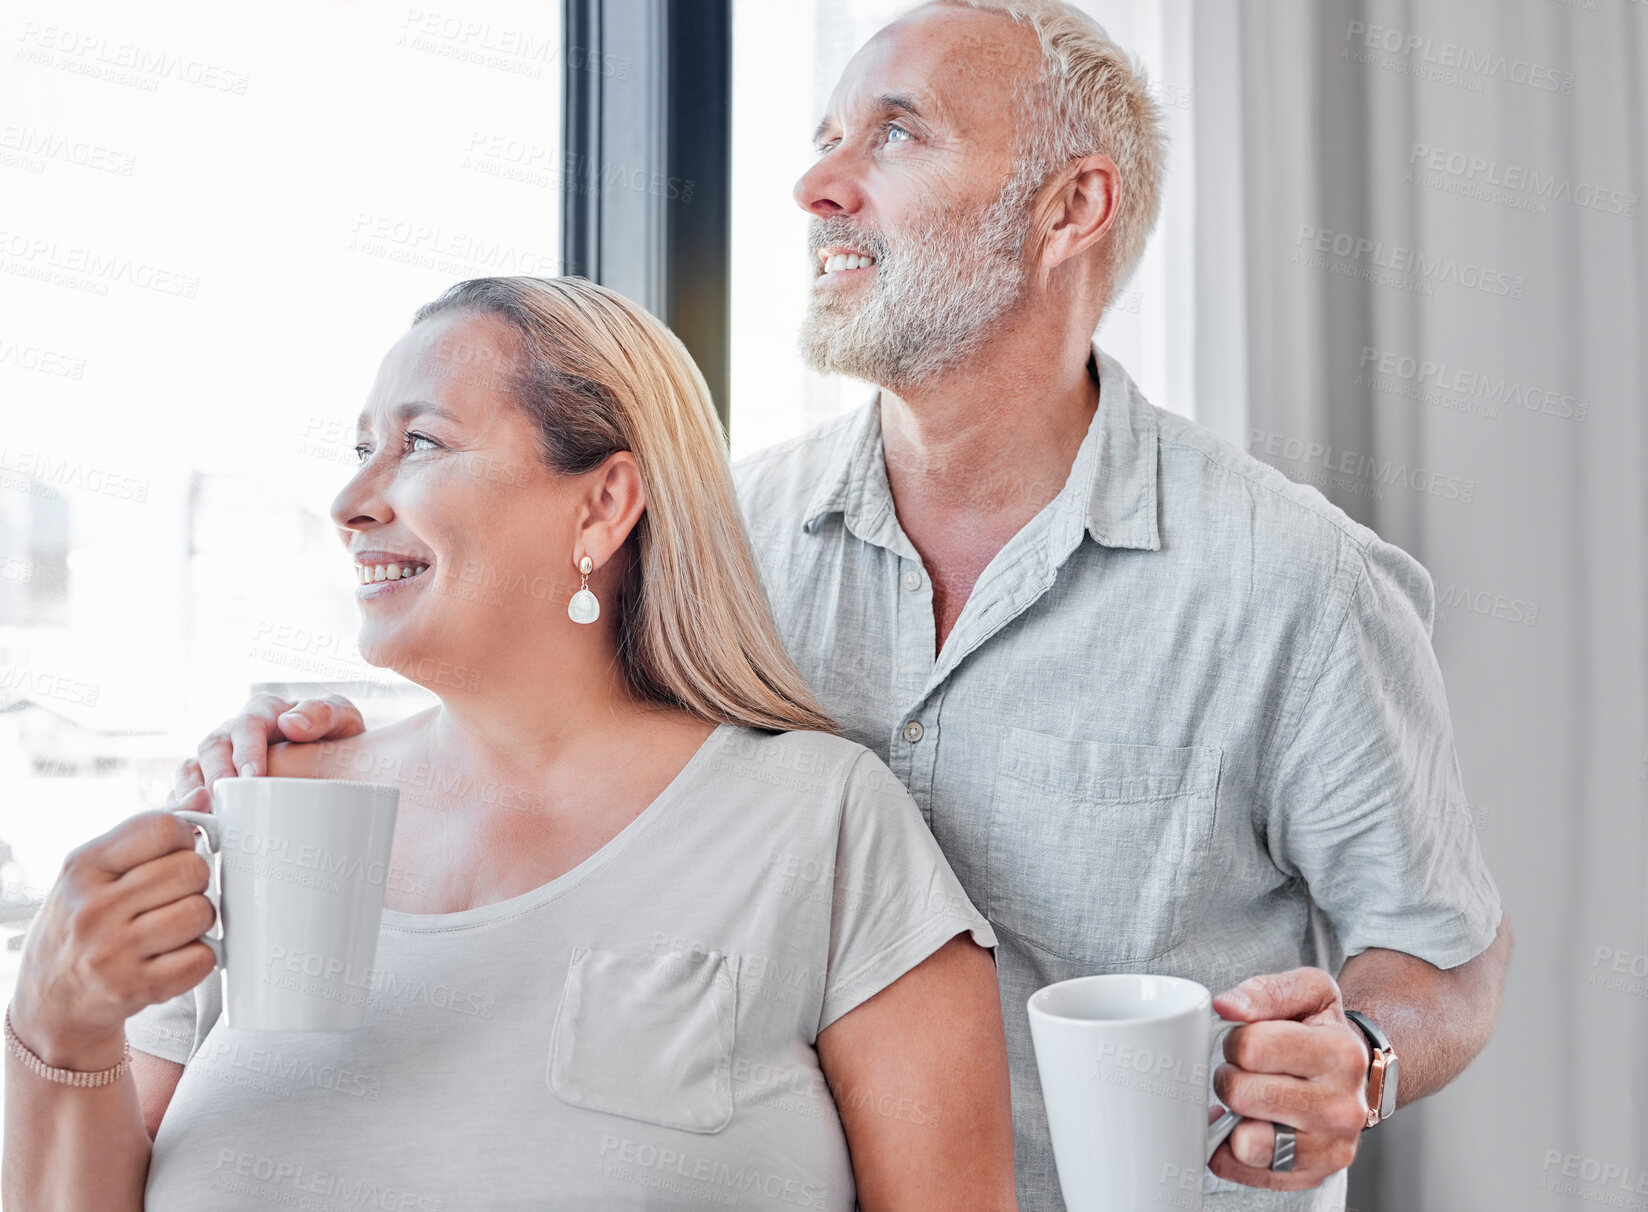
[[119, 931]]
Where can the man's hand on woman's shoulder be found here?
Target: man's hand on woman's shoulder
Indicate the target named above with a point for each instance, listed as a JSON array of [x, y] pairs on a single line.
[[240, 746]]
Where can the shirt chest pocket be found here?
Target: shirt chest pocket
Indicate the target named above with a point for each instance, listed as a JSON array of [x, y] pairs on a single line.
[[648, 1036], [1095, 848]]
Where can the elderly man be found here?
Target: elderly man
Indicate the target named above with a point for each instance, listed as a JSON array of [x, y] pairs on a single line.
[[1164, 710]]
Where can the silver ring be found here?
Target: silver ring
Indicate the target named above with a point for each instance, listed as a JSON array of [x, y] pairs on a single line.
[[1281, 1161]]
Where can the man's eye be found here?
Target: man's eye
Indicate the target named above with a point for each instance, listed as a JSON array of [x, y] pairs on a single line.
[[412, 440], [897, 134], [362, 451]]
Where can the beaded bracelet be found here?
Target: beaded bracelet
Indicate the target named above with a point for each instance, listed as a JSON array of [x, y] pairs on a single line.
[[67, 1077]]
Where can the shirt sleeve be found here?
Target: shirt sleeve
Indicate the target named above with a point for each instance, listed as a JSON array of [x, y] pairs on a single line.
[[895, 900], [174, 1029], [1366, 802]]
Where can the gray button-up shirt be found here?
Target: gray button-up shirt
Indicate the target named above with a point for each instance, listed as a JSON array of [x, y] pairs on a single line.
[[1188, 722]]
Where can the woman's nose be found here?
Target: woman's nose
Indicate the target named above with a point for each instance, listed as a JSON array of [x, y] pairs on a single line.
[[361, 502]]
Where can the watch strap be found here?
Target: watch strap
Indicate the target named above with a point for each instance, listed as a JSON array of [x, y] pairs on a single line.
[[1382, 1068], [1376, 1038]]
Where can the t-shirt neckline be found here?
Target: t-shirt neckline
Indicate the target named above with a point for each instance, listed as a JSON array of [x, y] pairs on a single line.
[[398, 920]]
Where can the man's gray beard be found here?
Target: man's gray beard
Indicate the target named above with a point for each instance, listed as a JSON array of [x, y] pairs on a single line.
[[932, 301]]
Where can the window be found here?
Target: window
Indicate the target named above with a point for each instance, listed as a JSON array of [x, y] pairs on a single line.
[[213, 231]]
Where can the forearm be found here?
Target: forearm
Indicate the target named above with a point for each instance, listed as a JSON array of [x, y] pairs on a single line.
[[1437, 1019], [71, 1148]]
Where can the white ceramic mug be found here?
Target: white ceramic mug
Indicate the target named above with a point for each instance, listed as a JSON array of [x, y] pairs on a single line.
[[1126, 1066], [300, 873]]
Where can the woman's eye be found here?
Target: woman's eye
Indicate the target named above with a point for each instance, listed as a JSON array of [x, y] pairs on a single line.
[[362, 451]]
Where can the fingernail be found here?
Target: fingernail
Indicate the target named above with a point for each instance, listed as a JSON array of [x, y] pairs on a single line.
[[294, 717], [1238, 999], [247, 770]]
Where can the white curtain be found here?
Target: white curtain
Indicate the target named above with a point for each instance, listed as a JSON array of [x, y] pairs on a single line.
[[1445, 266]]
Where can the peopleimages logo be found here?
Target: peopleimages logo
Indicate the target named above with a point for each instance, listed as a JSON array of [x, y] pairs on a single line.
[[1618, 1182], [433, 247], [285, 1181], [38, 147], [1420, 50], [1377, 364], [291, 1068], [684, 1164], [1626, 972], [1428, 268], [1351, 463], [99, 57], [19, 681], [1516, 178], [51, 472], [89, 269], [42, 361], [307, 856], [1485, 602]]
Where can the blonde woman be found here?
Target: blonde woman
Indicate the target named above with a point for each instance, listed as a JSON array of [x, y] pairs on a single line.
[[633, 781]]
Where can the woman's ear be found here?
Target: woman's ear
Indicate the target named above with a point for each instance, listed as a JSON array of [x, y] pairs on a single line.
[[614, 500]]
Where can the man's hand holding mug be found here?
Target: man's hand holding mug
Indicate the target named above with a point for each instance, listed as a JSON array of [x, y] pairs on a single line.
[[1298, 1062]]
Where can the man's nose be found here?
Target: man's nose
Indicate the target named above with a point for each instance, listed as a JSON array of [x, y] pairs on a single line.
[[832, 186]]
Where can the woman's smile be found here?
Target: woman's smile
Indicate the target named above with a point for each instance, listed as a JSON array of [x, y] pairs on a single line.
[[379, 574]]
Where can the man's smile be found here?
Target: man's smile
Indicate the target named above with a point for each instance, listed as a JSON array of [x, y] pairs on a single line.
[[839, 259]]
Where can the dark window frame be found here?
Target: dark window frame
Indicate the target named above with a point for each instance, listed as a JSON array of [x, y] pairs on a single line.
[[646, 195]]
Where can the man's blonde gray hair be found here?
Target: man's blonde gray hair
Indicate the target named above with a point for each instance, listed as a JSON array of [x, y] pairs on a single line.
[[1090, 99]]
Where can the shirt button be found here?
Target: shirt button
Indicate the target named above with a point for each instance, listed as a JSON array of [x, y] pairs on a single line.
[[912, 731], [912, 579]]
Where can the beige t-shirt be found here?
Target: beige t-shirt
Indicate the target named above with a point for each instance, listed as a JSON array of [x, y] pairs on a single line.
[[637, 1033]]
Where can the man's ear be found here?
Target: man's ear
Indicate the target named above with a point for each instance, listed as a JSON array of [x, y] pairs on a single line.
[[614, 499], [1078, 207]]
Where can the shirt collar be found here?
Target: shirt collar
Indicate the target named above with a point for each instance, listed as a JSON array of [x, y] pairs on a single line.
[[1113, 474], [1120, 485], [854, 481]]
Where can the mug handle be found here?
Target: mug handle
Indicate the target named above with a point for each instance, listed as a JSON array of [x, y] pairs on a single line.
[[1221, 1125], [212, 828]]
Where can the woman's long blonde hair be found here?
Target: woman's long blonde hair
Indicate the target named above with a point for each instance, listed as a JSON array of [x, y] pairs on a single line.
[[599, 375]]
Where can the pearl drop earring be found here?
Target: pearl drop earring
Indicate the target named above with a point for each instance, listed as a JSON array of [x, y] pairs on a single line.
[[584, 608]]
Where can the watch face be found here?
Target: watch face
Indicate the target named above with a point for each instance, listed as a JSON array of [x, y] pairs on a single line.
[[1387, 1096]]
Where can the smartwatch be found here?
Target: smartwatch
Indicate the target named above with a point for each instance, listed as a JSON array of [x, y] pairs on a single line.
[[1382, 1069]]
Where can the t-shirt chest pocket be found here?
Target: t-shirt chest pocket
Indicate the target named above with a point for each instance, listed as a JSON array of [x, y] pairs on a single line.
[[648, 1036], [1094, 847]]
